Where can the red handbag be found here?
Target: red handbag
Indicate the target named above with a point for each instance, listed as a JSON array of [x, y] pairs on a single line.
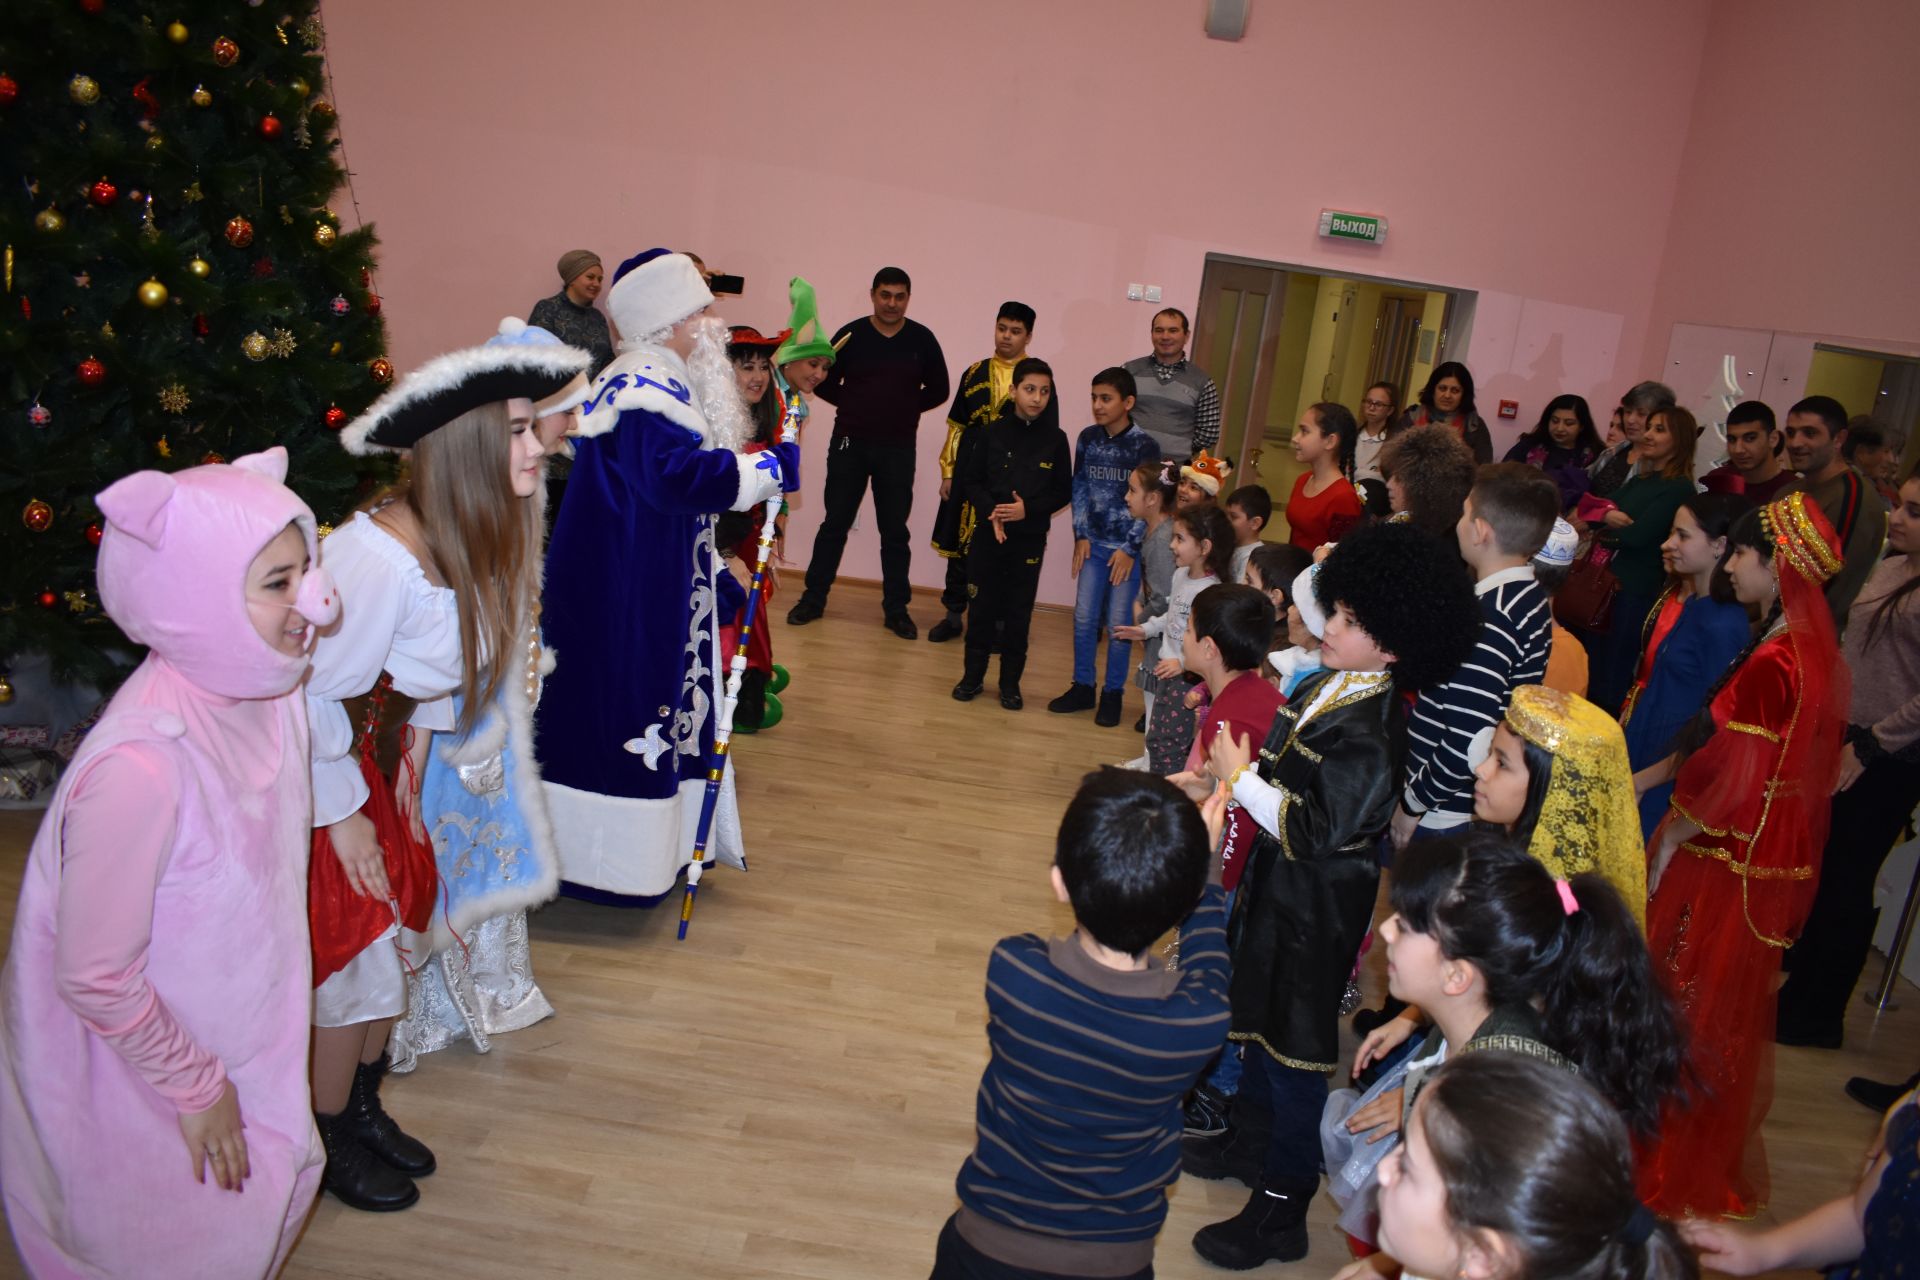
[[1585, 601]]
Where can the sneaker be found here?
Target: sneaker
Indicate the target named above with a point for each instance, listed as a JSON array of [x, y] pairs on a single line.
[[1078, 697], [1140, 764], [1109, 713], [1272, 1227], [901, 625], [951, 627], [1011, 699], [1878, 1096], [1206, 1111], [966, 692], [803, 613]]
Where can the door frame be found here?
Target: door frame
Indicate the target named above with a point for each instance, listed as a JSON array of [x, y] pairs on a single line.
[[1456, 326]]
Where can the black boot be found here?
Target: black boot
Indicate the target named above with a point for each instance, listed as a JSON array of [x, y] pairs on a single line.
[[1272, 1228], [1078, 697], [951, 627], [1237, 1153], [1109, 713], [376, 1130], [357, 1176]]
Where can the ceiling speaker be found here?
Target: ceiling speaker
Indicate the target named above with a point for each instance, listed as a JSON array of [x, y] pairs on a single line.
[[1226, 19]]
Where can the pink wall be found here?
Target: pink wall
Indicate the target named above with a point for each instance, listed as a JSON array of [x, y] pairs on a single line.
[[1050, 152], [1797, 191]]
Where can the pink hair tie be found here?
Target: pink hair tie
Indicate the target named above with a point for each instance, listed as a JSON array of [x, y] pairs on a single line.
[[1568, 902]]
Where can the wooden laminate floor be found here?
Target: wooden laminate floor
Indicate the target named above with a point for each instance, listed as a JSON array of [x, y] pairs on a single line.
[[790, 1091]]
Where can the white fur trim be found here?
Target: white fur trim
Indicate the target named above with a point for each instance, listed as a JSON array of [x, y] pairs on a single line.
[[623, 844], [657, 295], [757, 483], [445, 372], [650, 378]]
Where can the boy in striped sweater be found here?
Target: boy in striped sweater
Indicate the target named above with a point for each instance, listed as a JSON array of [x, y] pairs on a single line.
[[1506, 521], [1094, 1043]]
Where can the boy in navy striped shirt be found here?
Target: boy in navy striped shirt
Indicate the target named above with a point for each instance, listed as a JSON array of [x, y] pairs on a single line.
[[1094, 1043], [1506, 521]]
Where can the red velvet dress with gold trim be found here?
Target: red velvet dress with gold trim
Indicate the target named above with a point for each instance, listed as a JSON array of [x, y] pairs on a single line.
[[1734, 897]]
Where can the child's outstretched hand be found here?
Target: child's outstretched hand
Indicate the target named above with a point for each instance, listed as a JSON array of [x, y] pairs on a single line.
[[1228, 753], [1725, 1247], [1129, 631], [1213, 811], [1168, 668], [217, 1140], [1198, 786], [1385, 1038]]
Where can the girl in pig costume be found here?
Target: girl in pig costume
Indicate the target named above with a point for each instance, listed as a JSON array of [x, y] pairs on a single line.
[[153, 1048]]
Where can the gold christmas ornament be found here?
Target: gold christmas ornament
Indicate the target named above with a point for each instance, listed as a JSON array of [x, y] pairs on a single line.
[[37, 516], [152, 294], [174, 398], [255, 346], [6, 689], [50, 220], [335, 349], [77, 601], [200, 268], [300, 86], [156, 141], [84, 90], [324, 236], [193, 194], [283, 344], [202, 98], [177, 32], [162, 448]]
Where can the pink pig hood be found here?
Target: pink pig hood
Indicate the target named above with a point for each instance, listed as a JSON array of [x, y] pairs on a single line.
[[173, 567]]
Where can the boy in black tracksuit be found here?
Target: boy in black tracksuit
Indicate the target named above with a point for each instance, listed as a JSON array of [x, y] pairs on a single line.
[[1017, 472]]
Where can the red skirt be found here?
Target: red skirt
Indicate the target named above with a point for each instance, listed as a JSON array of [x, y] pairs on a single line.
[[760, 643], [343, 922]]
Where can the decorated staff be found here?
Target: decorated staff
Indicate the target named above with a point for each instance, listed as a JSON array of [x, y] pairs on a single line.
[[736, 670]]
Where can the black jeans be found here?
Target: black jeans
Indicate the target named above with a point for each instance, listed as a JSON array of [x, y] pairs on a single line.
[[1003, 578], [851, 464], [955, 1259], [954, 597], [1823, 966]]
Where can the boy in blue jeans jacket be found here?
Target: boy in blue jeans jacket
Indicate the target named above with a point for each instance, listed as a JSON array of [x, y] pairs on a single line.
[[1106, 542], [1094, 1041]]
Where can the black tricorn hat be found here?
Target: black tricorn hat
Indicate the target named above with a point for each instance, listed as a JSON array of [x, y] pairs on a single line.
[[447, 386]]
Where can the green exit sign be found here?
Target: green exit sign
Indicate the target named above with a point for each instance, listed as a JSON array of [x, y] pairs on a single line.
[[1338, 224]]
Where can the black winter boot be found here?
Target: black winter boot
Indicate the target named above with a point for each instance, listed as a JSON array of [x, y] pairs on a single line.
[[1109, 713], [357, 1176], [1237, 1153], [376, 1129], [1272, 1228]]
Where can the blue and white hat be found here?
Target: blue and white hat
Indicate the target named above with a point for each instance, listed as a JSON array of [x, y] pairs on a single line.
[[1561, 544]]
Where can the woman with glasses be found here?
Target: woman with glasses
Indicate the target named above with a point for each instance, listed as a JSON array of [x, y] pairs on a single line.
[[1378, 409]]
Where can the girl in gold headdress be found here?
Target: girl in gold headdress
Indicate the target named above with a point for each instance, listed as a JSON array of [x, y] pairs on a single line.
[[1556, 778], [1734, 862]]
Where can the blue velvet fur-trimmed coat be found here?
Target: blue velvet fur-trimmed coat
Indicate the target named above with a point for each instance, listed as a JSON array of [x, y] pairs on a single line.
[[634, 592]]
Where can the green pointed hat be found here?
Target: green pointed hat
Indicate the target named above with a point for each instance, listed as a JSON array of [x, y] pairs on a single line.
[[804, 320]]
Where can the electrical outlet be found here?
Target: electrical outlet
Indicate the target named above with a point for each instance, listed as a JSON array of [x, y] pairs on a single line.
[[1153, 293], [1133, 293]]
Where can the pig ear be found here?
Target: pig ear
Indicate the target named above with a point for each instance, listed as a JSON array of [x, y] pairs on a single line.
[[271, 463], [138, 504]]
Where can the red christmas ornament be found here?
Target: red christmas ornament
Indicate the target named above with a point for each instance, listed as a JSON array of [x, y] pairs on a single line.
[[149, 105], [239, 232], [336, 418], [200, 327], [9, 89], [93, 6], [381, 370], [270, 127], [225, 52], [94, 534], [46, 599], [211, 459], [366, 277], [26, 308], [373, 304], [37, 516], [103, 193], [90, 372], [263, 268]]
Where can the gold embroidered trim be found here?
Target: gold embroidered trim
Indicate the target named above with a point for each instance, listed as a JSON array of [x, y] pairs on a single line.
[[1254, 1037], [1747, 869], [1758, 731], [1721, 833]]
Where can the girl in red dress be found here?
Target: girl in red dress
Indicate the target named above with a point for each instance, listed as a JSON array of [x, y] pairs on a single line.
[[1324, 504], [1735, 861]]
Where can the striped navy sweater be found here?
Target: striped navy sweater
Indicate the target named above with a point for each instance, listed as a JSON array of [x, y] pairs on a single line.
[[1516, 633], [1079, 1108]]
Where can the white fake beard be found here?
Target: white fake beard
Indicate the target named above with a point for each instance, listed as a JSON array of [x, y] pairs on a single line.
[[729, 424]]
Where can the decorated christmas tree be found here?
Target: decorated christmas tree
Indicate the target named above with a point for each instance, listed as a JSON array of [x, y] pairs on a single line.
[[179, 288]]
